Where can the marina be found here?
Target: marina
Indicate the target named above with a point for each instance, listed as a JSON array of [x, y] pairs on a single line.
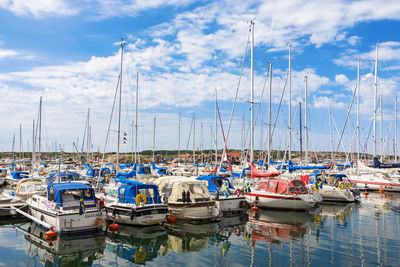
[[355, 234], [199, 133]]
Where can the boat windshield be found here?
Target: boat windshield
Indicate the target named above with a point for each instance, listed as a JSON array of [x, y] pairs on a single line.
[[196, 189], [148, 192], [296, 187]]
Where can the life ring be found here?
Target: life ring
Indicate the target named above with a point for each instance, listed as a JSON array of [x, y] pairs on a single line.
[[341, 185], [238, 192], [140, 199], [349, 185], [237, 231], [140, 256]]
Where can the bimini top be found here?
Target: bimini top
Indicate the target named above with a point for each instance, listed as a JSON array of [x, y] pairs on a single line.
[[65, 176], [128, 193], [57, 190], [214, 182]]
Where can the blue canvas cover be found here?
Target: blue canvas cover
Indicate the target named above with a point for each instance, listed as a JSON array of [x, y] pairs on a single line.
[[59, 188], [17, 175], [213, 185], [128, 193]]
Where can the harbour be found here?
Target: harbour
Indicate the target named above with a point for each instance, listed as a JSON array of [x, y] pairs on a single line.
[[357, 234], [199, 133]]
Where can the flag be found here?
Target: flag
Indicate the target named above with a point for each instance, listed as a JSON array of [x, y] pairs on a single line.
[[247, 188], [81, 206], [225, 190]]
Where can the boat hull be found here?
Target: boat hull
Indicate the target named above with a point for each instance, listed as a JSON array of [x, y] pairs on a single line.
[[197, 211], [149, 215], [279, 201]]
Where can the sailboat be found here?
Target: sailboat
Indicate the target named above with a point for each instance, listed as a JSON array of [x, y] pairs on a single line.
[[275, 192]]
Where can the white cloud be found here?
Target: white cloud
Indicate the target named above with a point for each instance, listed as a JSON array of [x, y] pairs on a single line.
[[38, 8], [341, 79], [4, 53]]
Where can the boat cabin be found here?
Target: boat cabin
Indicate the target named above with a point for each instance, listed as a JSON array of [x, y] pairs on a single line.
[[215, 182], [69, 195], [280, 186], [128, 194]]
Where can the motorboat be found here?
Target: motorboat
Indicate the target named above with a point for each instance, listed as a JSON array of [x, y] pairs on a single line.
[[28, 187], [67, 208], [187, 198], [338, 188], [134, 203], [12, 179], [228, 200]]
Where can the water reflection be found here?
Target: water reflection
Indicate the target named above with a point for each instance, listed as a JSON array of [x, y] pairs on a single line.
[[356, 234], [80, 250], [276, 226], [137, 244]]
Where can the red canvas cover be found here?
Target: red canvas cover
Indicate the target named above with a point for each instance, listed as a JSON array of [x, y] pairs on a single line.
[[255, 173]]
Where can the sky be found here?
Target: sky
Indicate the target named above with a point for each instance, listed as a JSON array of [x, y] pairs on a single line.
[[183, 54]]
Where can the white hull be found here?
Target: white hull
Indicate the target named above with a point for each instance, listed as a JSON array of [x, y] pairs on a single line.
[[198, 211], [373, 183], [335, 194], [147, 215], [66, 221], [231, 205], [279, 201]]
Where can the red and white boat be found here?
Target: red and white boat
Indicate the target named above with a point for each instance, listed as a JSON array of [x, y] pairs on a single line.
[[281, 193], [374, 179]]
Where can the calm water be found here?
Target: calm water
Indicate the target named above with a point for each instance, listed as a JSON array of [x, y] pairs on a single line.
[[358, 234]]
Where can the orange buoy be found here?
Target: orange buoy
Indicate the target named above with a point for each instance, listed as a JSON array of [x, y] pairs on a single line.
[[103, 191], [254, 208], [114, 227], [51, 234], [366, 193], [171, 219], [381, 191]]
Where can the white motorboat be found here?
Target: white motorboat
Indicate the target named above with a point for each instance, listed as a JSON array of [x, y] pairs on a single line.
[[187, 198], [135, 203], [67, 208], [228, 200]]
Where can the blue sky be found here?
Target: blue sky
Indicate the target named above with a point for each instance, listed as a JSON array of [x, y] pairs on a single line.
[[68, 52]]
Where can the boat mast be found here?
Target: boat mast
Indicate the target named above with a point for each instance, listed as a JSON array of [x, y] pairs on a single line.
[[20, 141], [330, 126], [252, 95], [179, 138], [290, 100], [269, 114], [381, 131], [375, 94], [33, 145], [202, 143], [194, 138], [305, 118], [88, 137], [40, 125], [395, 130], [358, 110], [301, 135], [136, 115], [216, 127], [154, 136], [119, 105]]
